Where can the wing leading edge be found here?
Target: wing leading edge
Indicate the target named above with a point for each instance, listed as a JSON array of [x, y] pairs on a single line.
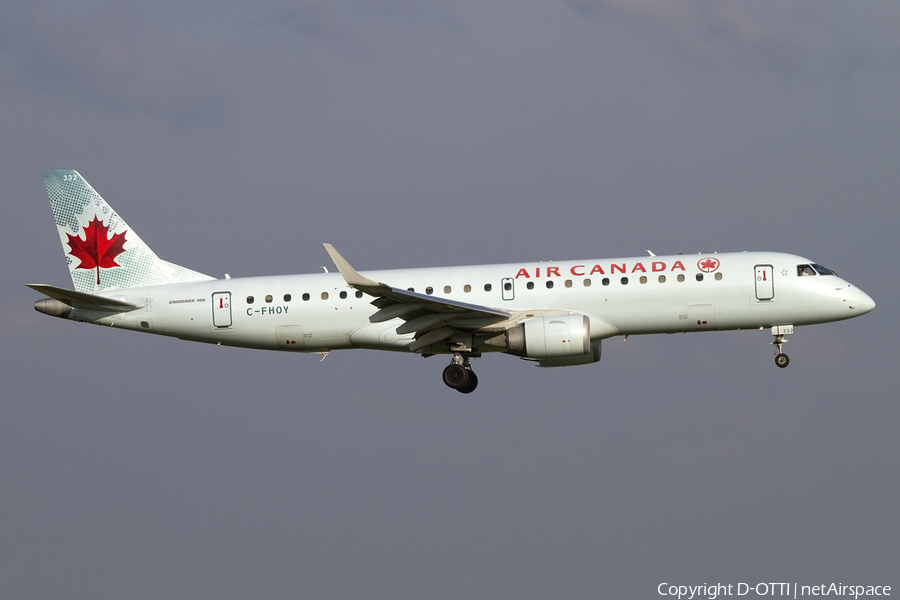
[[432, 320]]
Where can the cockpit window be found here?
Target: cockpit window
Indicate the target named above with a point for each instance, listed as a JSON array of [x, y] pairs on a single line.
[[805, 271], [823, 270]]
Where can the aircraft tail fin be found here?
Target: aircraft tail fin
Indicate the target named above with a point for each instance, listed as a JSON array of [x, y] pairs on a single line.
[[102, 251]]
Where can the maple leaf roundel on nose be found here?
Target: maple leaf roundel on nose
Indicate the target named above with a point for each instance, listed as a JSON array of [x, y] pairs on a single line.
[[708, 265], [97, 250]]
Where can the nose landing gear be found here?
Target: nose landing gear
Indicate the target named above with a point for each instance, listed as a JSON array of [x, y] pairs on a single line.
[[779, 331], [459, 376]]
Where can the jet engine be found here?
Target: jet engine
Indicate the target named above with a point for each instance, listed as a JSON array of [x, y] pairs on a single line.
[[553, 341]]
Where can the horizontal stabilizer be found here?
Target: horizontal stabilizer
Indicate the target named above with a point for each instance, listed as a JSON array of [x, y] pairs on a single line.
[[83, 299]]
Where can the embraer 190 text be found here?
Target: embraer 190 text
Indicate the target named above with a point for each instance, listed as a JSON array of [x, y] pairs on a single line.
[[555, 314]]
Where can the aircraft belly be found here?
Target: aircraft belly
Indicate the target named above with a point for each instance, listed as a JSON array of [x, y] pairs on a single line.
[[701, 317], [381, 336], [316, 332], [309, 337], [647, 317], [324, 340]]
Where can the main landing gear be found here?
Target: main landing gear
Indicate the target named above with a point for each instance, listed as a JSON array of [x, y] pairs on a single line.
[[459, 375], [781, 359]]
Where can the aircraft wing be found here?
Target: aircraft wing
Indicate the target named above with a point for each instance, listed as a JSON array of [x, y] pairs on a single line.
[[83, 299], [433, 320]]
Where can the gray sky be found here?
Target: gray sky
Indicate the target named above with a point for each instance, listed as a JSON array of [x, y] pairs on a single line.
[[236, 137]]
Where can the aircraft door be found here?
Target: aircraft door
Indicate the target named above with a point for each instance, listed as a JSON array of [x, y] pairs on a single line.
[[221, 310], [508, 285], [765, 287]]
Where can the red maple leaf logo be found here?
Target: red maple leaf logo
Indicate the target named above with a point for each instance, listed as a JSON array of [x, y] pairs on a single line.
[[97, 250], [709, 265]]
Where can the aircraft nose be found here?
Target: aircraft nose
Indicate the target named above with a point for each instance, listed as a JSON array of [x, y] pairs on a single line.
[[866, 304]]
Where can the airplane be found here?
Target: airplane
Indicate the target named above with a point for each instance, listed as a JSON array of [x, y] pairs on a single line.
[[554, 314]]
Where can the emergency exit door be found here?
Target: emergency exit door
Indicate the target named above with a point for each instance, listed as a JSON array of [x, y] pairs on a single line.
[[221, 309], [765, 288]]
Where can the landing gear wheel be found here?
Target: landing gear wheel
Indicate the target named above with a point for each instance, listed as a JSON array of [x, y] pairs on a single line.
[[779, 331], [473, 383], [457, 377]]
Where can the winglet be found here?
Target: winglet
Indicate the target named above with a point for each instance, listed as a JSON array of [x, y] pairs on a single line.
[[350, 275]]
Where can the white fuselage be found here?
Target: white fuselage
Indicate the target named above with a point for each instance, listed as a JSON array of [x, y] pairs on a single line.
[[637, 295]]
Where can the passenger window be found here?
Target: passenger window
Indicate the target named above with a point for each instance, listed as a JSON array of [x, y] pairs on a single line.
[[718, 277], [643, 279], [624, 281], [587, 283], [249, 299], [410, 289], [549, 285], [662, 278], [268, 297], [343, 295], [287, 297], [568, 283], [699, 276], [605, 281], [359, 294], [324, 295], [429, 290], [467, 288], [305, 297], [446, 289], [530, 285], [680, 278], [488, 287]]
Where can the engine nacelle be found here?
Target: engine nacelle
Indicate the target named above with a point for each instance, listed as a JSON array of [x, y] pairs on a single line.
[[554, 341]]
